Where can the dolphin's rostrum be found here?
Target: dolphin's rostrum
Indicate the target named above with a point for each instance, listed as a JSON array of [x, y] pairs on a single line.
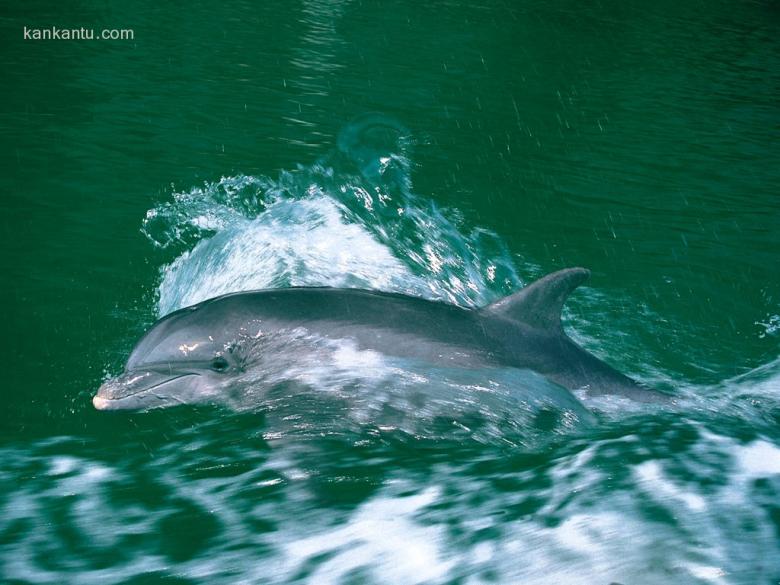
[[196, 353]]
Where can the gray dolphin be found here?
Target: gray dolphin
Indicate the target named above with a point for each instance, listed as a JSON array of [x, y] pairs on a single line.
[[194, 354]]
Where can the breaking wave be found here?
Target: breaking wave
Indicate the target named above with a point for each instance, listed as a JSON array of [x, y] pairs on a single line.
[[351, 220]]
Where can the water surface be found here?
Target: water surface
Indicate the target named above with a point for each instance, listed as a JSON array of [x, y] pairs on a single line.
[[446, 150]]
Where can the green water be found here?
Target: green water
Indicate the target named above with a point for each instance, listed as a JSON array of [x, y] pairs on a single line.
[[639, 141]]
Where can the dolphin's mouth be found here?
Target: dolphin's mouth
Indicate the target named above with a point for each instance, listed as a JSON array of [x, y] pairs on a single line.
[[130, 389]]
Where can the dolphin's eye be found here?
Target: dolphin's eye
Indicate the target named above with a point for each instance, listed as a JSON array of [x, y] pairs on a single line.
[[219, 364]]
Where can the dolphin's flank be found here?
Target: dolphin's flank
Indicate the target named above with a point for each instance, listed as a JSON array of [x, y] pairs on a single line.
[[195, 354]]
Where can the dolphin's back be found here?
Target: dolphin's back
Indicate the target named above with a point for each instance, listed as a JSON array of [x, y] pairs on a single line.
[[393, 324], [534, 314]]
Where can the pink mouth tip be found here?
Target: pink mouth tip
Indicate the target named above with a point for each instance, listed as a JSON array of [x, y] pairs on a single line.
[[100, 403]]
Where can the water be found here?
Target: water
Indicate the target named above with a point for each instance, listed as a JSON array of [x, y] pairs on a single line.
[[454, 152]]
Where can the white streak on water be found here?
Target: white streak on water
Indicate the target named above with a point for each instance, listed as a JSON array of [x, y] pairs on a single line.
[[383, 530]]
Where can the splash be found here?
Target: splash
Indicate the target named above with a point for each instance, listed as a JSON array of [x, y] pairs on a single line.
[[350, 220], [770, 327]]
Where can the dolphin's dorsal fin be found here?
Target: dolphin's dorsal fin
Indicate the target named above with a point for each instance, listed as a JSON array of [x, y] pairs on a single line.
[[540, 303]]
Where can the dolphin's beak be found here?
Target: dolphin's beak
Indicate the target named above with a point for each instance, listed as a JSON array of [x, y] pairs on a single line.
[[100, 403], [135, 390]]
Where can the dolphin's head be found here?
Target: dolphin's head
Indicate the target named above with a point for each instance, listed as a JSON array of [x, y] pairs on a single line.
[[187, 357]]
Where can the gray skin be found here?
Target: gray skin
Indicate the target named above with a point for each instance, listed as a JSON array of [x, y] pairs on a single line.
[[194, 354]]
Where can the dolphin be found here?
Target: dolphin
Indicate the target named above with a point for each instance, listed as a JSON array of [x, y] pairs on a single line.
[[194, 354]]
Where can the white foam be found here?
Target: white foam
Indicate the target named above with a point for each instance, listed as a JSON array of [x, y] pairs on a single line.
[[381, 537], [428, 530], [758, 459], [63, 465], [650, 479], [707, 573], [347, 356], [293, 243]]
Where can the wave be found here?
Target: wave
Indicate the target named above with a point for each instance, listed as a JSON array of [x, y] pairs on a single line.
[[350, 220]]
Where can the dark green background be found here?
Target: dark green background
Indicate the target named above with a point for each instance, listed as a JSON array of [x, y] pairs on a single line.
[[637, 139]]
